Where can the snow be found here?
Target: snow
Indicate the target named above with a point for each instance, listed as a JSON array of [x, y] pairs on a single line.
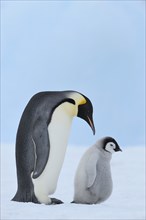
[[126, 202]]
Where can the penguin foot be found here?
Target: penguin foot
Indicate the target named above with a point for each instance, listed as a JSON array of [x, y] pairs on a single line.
[[73, 202], [55, 201]]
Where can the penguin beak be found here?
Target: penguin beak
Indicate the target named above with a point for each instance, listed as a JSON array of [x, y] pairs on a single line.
[[91, 124], [85, 112], [118, 148]]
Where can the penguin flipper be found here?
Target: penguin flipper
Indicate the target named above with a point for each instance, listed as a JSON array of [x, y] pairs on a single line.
[[91, 169], [41, 144]]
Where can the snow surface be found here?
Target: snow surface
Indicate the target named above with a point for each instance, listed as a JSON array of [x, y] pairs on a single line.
[[126, 202]]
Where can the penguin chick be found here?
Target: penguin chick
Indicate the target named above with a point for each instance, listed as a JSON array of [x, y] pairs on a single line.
[[93, 180]]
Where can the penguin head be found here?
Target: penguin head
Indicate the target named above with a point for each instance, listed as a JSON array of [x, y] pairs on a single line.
[[110, 145], [85, 111], [82, 108]]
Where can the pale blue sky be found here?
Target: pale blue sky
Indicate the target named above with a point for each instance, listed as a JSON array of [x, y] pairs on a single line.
[[94, 47]]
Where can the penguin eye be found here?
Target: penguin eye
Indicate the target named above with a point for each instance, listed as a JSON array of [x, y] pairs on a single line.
[[111, 145]]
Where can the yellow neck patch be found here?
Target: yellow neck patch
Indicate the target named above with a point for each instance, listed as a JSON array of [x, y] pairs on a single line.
[[79, 99]]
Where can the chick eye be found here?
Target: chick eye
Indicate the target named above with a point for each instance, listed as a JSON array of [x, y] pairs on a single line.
[[111, 145]]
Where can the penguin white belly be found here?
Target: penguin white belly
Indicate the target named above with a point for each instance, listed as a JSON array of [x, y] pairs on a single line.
[[58, 131]]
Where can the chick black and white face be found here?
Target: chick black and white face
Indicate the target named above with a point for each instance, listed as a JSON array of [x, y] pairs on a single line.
[[110, 145]]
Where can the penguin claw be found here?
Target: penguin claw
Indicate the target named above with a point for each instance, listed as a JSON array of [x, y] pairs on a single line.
[[55, 201]]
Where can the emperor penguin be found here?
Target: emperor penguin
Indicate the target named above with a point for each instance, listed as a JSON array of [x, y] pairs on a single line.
[[93, 180], [41, 142]]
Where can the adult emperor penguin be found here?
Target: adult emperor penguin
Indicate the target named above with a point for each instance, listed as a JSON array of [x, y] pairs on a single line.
[[93, 181], [41, 142]]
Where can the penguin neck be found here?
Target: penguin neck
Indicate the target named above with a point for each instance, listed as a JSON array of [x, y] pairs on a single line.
[[104, 153], [60, 125]]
